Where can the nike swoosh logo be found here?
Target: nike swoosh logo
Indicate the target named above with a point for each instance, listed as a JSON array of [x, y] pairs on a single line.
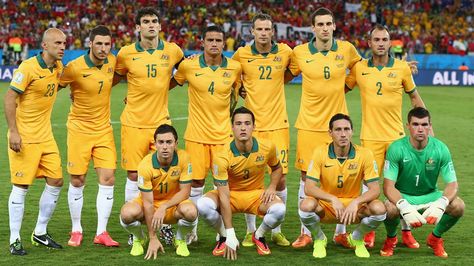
[[110, 198], [251, 60], [363, 74], [86, 75], [309, 61], [16, 202], [198, 74], [78, 198], [327, 166], [406, 160], [136, 58], [46, 242], [41, 77]]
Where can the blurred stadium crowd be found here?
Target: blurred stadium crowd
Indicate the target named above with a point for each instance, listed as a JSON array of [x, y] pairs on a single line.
[[432, 26]]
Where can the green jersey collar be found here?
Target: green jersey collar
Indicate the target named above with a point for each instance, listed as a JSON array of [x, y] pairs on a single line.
[[157, 165], [139, 48], [332, 154], [236, 152], [273, 50], [313, 49], [89, 62], [390, 63], [41, 61], [202, 63]]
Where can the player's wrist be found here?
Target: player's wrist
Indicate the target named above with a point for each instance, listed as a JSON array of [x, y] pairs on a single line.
[[230, 232], [402, 204]]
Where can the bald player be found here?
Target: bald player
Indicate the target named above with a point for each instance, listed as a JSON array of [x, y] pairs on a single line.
[[33, 151]]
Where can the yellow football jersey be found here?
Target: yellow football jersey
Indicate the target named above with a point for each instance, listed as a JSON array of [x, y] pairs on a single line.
[[90, 88], [164, 181], [263, 77], [148, 75], [37, 86], [324, 75], [342, 178], [381, 90], [243, 172], [210, 89]]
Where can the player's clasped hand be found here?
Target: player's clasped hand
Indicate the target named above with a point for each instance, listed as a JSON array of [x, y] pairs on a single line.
[[349, 215], [338, 207], [232, 244], [158, 217], [268, 195], [15, 141], [436, 210], [153, 247], [410, 214]]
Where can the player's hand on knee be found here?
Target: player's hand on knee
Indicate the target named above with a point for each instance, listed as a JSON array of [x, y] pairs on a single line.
[[436, 210], [410, 214], [268, 195], [338, 208], [350, 213], [158, 218], [153, 247], [232, 244]]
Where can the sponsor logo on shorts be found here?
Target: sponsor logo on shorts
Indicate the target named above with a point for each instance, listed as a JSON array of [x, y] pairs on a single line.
[[19, 174]]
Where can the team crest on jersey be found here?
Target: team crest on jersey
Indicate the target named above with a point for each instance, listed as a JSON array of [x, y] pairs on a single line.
[[227, 74], [260, 158], [430, 164], [165, 57], [175, 173], [277, 59], [352, 166], [392, 75], [110, 70], [339, 57]]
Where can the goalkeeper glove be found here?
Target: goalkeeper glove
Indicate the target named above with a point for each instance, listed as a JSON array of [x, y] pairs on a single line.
[[410, 214], [435, 211]]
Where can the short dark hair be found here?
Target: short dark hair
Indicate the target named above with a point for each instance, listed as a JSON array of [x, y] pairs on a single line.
[[243, 110], [339, 116], [419, 112], [321, 12], [146, 11], [379, 27], [165, 128], [261, 16], [213, 28], [99, 30]]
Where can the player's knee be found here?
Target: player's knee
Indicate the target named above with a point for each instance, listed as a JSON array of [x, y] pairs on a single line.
[[456, 208], [206, 206], [77, 180], [54, 182], [278, 210], [392, 210], [189, 211], [376, 207], [308, 205], [132, 175], [129, 213]]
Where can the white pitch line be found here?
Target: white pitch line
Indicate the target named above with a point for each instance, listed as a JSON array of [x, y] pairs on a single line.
[[118, 122]]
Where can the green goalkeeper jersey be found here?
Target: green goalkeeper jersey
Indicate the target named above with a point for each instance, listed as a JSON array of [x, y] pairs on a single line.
[[416, 172]]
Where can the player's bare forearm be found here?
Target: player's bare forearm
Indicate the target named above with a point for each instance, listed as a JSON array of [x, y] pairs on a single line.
[[371, 194], [288, 76], [275, 177], [312, 190], [10, 110], [416, 100], [117, 78], [183, 194], [389, 190], [451, 191], [148, 211], [224, 202], [173, 83]]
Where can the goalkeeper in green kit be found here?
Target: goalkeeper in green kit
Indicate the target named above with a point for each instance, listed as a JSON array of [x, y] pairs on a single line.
[[412, 167]]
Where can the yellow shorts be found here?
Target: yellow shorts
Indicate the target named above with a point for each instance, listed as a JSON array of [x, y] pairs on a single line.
[[281, 139], [35, 160], [170, 212], [200, 155], [329, 213], [136, 144], [82, 147], [306, 143], [244, 201], [379, 149]]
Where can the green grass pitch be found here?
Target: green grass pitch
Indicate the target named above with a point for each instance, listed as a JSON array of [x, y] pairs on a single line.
[[452, 121]]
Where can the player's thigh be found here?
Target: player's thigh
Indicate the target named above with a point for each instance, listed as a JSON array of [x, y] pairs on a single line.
[[132, 211], [104, 153], [50, 162], [281, 139], [186, 209], [246, 201], [136, 143], [24, 164], [79, 151], [379, 149], [306, 142], [200, 158]]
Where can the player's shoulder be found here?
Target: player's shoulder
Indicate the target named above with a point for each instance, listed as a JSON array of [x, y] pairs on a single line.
[[128, 48], [397, 63], [438, 143], [301, 48], [244, 50], [263, 143], [362, 151], [31, 62], [147, 161], [170, 45], [111, 58], [233, 64], [342, 44]]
